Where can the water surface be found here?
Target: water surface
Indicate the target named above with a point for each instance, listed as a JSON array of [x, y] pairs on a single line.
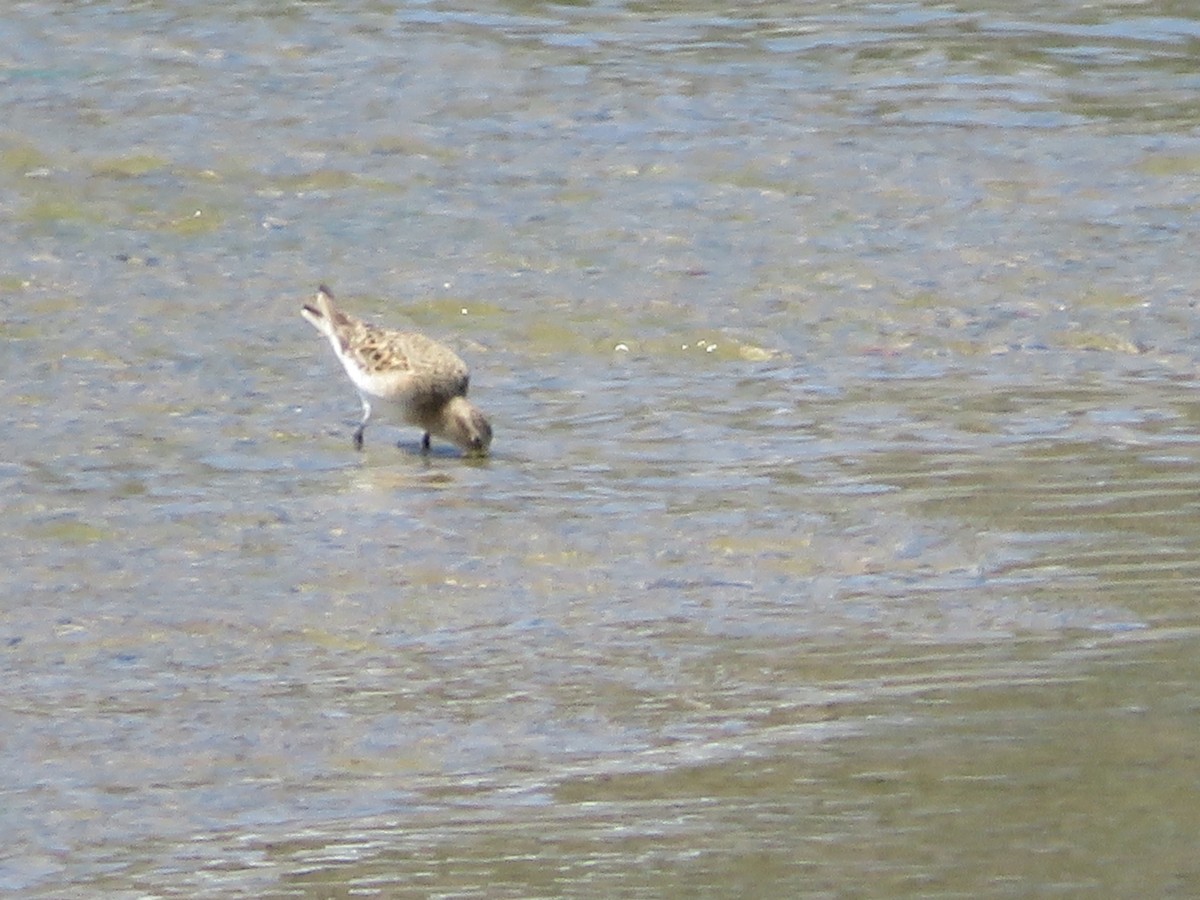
[[840, 536]]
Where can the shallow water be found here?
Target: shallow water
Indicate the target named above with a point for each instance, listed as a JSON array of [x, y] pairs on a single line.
[[841, 532]]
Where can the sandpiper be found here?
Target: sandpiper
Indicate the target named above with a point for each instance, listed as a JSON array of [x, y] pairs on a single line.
[[407, 375]]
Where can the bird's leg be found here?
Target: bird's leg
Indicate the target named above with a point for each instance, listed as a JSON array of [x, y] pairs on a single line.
[[425, 443], [358, 432]]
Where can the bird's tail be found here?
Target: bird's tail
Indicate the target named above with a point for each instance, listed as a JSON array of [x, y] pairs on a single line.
[[323, 315]]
